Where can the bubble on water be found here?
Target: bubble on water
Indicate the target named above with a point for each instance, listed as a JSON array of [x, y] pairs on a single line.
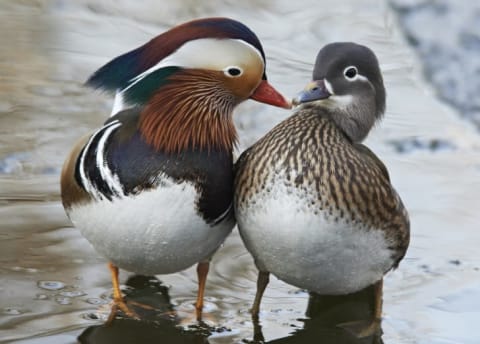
[[209, 307], [96, 301], [41, 297], [72, 293], [63, 300], [99, 315], [51, 285], [186, 306], [90, 316], [11, 311], [107, 295]]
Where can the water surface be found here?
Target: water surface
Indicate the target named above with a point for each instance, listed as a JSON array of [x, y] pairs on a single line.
[[54, 287]]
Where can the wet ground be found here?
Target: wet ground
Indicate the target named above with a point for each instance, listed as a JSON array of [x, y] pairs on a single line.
[[54, 288]]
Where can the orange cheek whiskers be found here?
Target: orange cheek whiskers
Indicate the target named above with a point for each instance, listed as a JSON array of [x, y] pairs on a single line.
[[187, 114]]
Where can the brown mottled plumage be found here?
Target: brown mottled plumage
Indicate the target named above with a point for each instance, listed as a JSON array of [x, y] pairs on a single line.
[[314, 206], [340, 177]]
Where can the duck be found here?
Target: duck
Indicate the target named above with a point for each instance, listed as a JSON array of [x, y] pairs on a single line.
[[152, 188], [315, 207]]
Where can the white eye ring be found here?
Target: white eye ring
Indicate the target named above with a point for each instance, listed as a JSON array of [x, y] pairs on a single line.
[[233, 71], [350, 73]]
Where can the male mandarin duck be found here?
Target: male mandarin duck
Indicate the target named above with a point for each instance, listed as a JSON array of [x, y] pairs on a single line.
[[314, 206], [152, 189]]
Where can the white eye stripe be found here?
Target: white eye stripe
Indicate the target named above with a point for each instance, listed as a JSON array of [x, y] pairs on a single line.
[[198, 54], [363, 78], [328, 86]]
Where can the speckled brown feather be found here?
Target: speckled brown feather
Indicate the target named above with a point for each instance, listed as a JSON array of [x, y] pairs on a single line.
[[71, 192], [338, 176]]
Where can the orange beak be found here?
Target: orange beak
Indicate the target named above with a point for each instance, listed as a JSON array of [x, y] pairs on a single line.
[[265, 93]]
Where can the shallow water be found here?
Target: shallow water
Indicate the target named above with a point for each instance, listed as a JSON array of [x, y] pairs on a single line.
[[54, 287]]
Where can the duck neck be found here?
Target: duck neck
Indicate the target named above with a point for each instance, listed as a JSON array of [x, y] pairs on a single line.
[[193, 111], [355, 120]]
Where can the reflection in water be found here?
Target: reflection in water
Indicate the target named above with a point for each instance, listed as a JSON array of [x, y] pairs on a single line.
[[134, 331], [50, 47], [324, 314], [313, 334], [156, 326]]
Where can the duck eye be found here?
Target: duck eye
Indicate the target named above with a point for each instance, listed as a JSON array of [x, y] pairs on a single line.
[[350, 72], [233, 71]]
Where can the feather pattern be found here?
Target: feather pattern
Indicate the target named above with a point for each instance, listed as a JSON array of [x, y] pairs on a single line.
[[195, 117], [118, 73], [125, 159], [344, 180]]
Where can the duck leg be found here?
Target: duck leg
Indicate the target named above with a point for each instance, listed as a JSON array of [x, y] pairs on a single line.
[[377, 310], [373, 326], [202, 272], [257, 332], [262, 282], [118, 300]]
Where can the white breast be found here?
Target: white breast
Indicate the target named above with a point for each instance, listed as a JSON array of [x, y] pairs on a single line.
[[304, 247], [156, 232]]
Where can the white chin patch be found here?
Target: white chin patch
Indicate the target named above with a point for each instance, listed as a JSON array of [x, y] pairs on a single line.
[[340, 101], [335, 100]]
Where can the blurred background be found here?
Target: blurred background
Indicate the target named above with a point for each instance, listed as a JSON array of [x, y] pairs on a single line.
[[54, 287]]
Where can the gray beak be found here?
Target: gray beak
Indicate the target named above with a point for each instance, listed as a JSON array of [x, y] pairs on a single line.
[[315, 90]]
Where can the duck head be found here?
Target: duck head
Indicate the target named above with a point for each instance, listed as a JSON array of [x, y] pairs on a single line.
[[348, 87], [187, 82]]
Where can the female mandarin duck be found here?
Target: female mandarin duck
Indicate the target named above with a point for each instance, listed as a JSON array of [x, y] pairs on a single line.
[[314, 206], [152, 188]]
